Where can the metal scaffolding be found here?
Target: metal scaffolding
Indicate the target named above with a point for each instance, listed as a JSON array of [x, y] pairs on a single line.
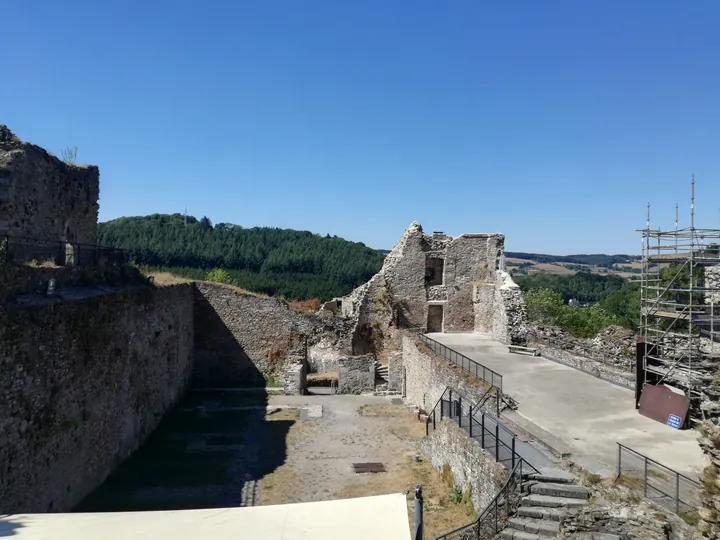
[[680, 305]]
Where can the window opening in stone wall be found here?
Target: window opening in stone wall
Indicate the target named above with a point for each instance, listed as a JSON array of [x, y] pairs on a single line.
[[68, 251], [435, 318], [434, 269]]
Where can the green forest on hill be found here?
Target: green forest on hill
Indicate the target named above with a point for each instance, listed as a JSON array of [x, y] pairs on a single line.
[[278, 262]]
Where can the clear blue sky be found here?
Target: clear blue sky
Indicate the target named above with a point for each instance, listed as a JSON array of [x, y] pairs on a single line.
[[553, 122]]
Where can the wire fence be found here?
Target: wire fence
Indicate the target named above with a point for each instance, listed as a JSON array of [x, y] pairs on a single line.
[[658, 483], [20, 250], [493, 378]]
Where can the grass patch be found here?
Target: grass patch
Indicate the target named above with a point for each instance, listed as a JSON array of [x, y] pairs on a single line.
[[629, 481], [656, 474], [271, 382], [691, 517], [593, 479]]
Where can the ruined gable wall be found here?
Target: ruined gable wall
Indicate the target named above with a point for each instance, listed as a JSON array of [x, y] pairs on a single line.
[[509, 315], [242, 339], [82, 384], [40, 194], [470, 259]]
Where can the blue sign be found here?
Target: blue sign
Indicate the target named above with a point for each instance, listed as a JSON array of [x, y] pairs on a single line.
[[674, 421]]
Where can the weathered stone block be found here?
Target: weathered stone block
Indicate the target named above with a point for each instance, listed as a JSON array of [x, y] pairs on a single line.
[[356, 374]]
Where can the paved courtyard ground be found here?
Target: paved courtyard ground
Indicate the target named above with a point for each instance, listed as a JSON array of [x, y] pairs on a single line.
[[588, 415], [228, 448]]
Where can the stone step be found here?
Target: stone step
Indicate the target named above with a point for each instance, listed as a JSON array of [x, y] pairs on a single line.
[[539, 512], [555, 476], [535, 526], [551, 502], [569, 491], [512, 534]]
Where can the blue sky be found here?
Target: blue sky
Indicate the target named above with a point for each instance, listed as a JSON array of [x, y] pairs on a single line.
[[553, 122]]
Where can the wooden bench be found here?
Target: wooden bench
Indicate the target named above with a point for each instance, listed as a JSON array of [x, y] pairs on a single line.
[[528, 350]]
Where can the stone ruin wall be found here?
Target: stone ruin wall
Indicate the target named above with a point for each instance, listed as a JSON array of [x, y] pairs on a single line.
[[476, 294], [41, 196], [82, 384], [242, 339], [474, 470], [427, 375]]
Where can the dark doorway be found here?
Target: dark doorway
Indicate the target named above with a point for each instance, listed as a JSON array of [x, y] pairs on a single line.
[[435, 318]]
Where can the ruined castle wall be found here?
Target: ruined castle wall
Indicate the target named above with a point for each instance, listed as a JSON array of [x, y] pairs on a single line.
[[242, 339], [473, 468], [82, 384], [509, 315], [470, 259], [43, 197], [427, 375]]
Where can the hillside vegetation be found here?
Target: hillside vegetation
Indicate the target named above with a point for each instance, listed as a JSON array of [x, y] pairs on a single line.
[[279, 262], [607, 300]]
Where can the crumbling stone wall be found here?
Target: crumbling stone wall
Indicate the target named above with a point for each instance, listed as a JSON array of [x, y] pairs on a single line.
[[82, 384], [43, 197], [242, 339], [295, 382], [356, 374], [427, 375], [475, 293], [710, 495], [473, 469], [609, 356]]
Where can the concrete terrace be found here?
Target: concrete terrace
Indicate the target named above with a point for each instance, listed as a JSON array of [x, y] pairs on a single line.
[[586, 415]]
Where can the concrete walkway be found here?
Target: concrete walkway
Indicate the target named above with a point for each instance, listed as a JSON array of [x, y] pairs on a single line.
[[588, 415]]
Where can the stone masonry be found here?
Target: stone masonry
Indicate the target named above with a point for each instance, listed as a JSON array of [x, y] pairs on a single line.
[[43, 197], [442, 284], [243, 339], [82, 384], [427, 375], [356, 374], [473, 469]]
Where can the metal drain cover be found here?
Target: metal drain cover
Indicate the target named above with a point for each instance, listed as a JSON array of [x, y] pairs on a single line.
[[368, 467]]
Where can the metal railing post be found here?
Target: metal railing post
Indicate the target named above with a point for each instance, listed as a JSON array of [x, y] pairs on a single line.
[[513, 452], [497, 441], [677, 493], [646, 476], [470, 420], [459, 411], [483, 430], [450, 412], [619, 471], [434, 416]]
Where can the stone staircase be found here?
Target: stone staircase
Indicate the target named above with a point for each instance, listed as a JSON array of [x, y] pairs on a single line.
[[549, 496], [381, 381]]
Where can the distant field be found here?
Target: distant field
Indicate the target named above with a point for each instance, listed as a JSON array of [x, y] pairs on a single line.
[[531, 266]]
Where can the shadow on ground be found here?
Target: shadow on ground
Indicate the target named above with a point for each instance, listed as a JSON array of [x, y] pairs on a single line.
[[8, 526], [212, 449]]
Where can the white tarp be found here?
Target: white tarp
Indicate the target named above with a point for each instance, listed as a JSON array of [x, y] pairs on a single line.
[[376, 518]]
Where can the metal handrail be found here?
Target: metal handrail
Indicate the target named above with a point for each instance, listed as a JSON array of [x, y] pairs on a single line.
[[677, 476], [493, 509], [474, 422], [473, 367]]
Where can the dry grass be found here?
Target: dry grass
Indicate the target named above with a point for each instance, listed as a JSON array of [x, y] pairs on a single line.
[[441, 514], [166, 278], [304, 306], [49, 263], [630, 481]]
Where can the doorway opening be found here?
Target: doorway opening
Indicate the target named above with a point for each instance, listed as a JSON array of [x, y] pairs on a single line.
[[435, 318]]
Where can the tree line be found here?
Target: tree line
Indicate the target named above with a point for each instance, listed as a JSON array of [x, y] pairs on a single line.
[[607, 300], [278, 262]]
